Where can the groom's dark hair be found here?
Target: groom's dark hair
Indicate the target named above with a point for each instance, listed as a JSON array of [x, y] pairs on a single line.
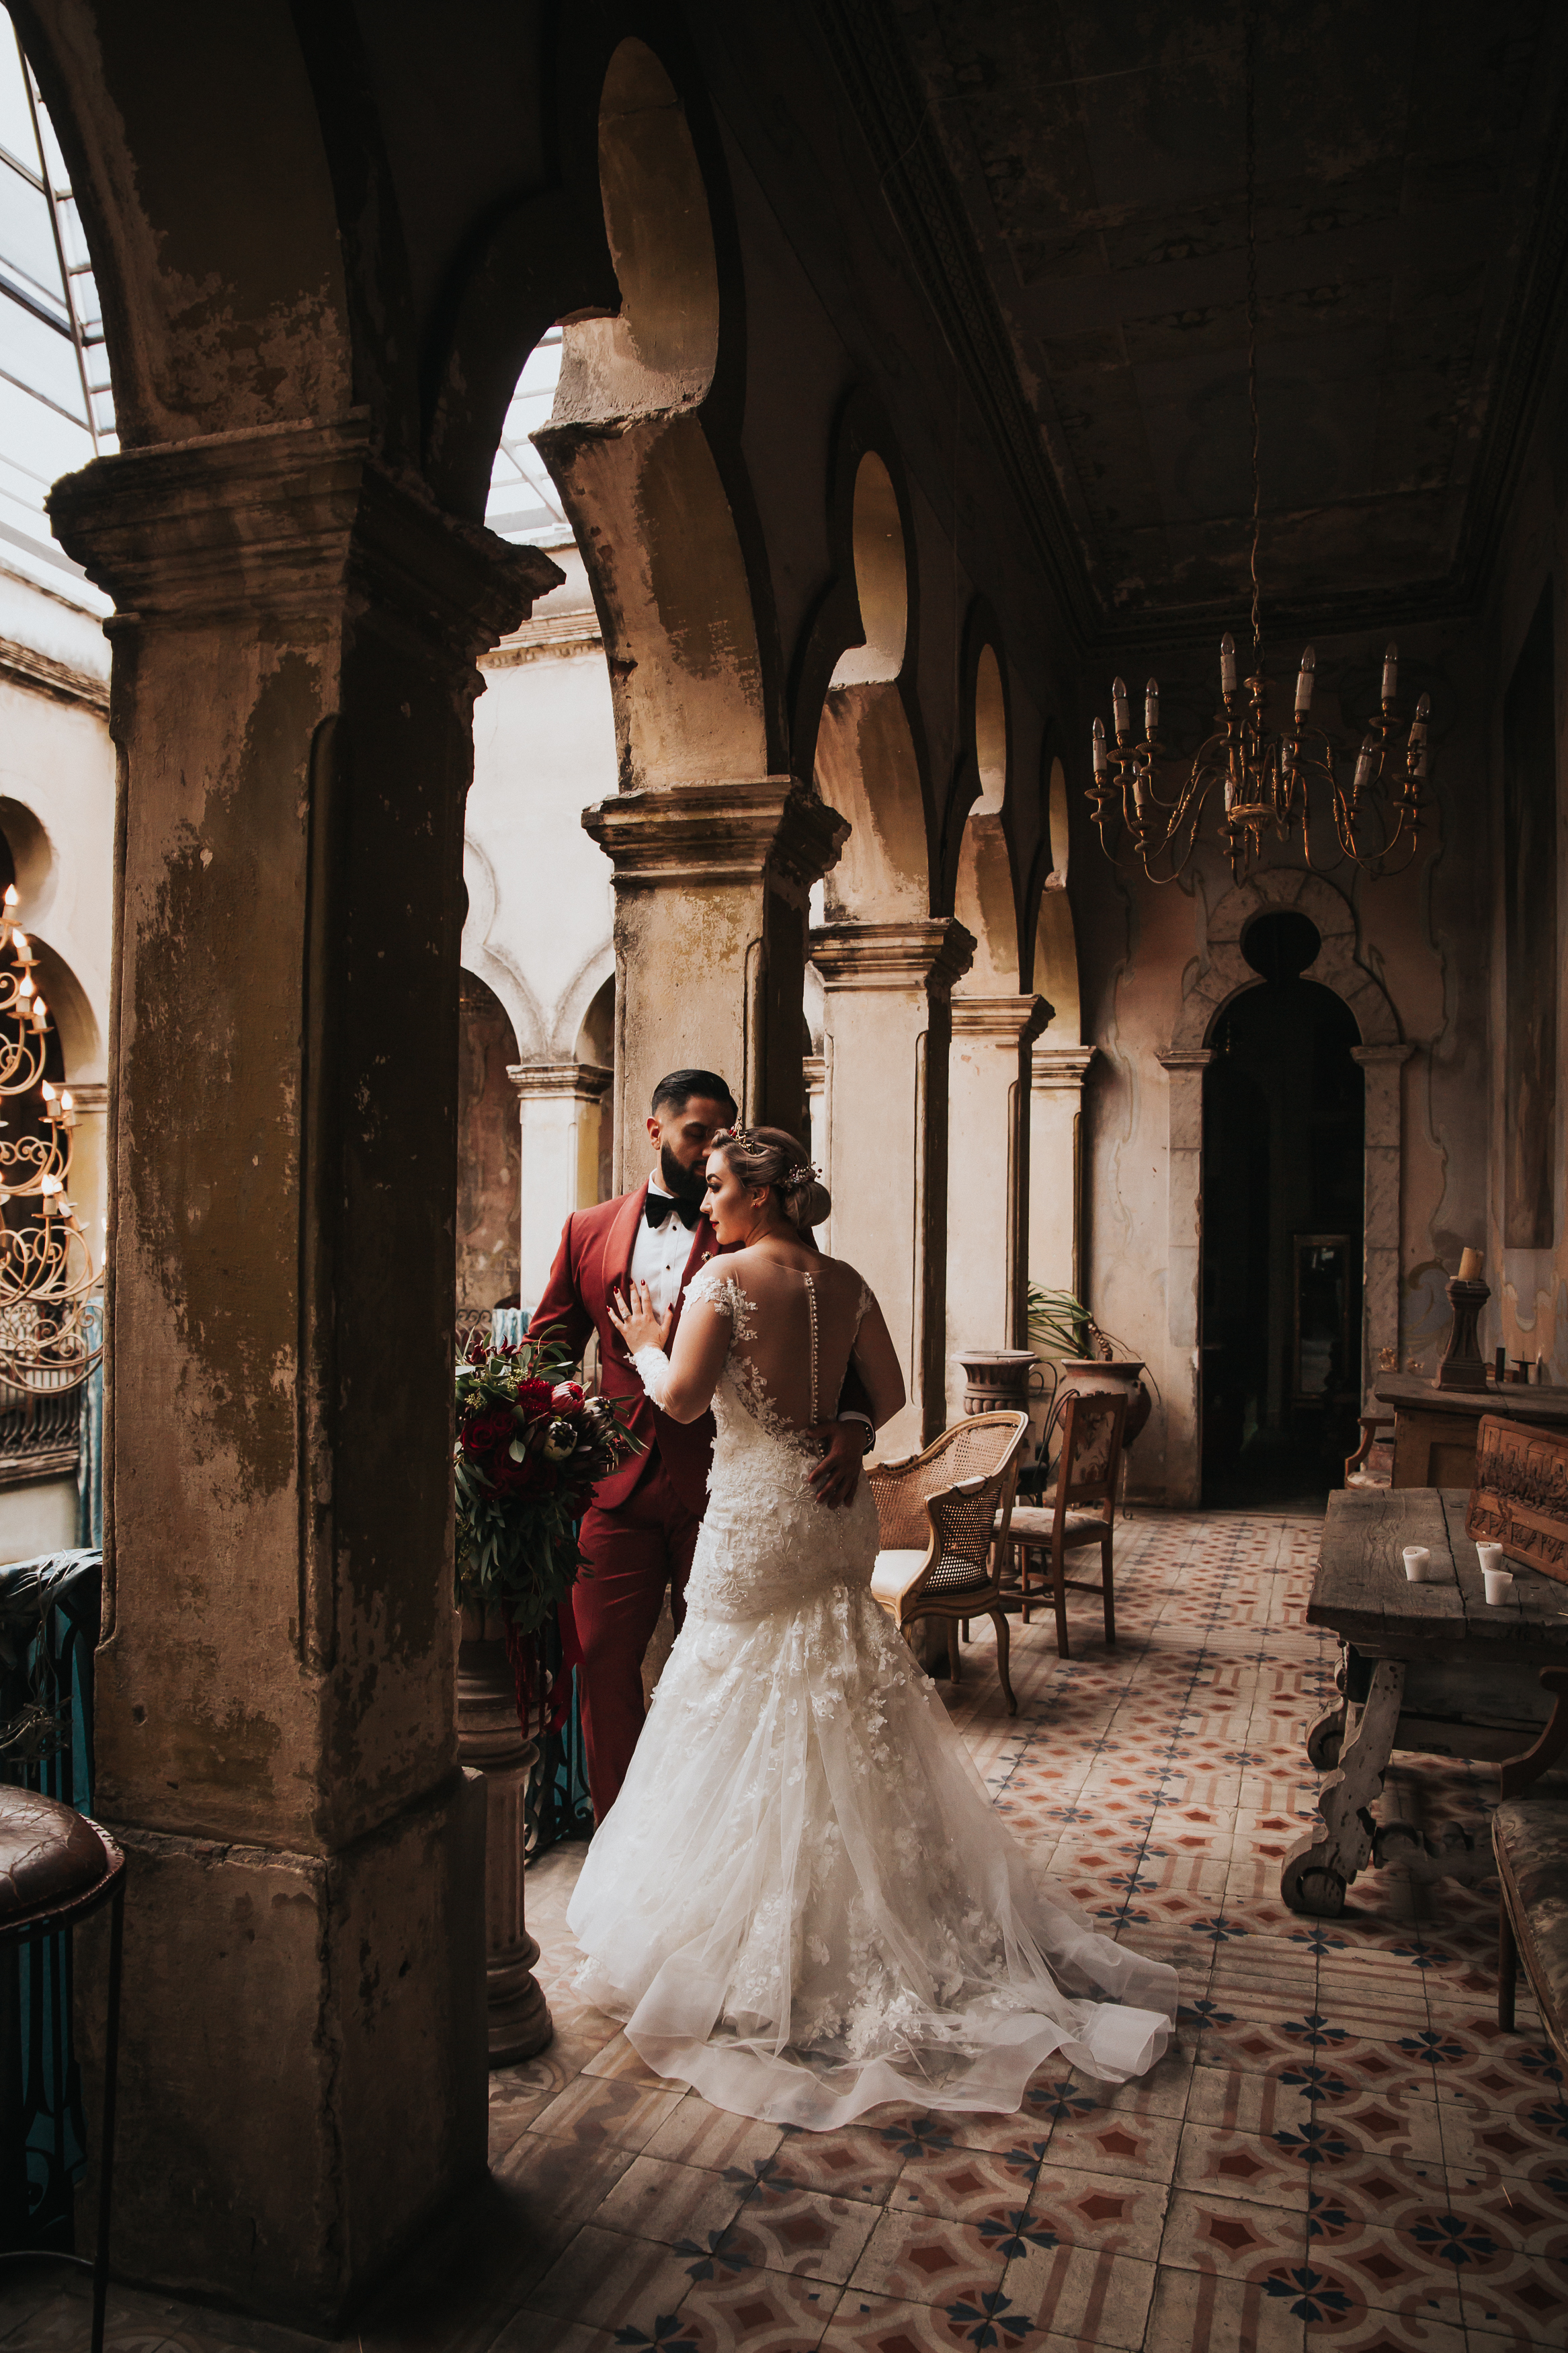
[[678, 1088]]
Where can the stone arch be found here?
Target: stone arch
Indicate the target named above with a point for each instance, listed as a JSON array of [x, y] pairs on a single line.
[[654, 493], [863, 737], [1209, 984], [490, 962], [592, 975]]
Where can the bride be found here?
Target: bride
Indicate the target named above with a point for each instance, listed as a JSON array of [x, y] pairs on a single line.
[[802, 1902]]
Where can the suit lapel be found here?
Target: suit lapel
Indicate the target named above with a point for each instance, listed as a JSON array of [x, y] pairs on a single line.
[[621, 1242]]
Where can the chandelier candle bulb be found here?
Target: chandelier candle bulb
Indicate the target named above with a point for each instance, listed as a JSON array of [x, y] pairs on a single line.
[[1227, 664], [1362, 768], [1119, 709], [1152, 709], [1304, 683], [1391, 674], [1100, 754]]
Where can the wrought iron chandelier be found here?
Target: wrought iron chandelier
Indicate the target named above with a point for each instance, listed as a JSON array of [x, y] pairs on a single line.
[[48, 1340], [1261, 779]]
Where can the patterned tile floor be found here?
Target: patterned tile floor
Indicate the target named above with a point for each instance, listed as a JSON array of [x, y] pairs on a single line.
[[1340, 2151]]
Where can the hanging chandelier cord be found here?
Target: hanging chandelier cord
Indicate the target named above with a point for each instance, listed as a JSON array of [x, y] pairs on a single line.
[[1249, 52]]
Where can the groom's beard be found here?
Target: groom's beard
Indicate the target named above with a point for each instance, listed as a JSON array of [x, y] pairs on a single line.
[[681, 1184]]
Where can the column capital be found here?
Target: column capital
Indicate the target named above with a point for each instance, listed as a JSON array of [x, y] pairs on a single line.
[[1372, 1057], [929, 955], [1006, 1020], [585, 1081], [289, 520], [1059, 1068], [814, 1070], [1187, 1058], [739, 832]]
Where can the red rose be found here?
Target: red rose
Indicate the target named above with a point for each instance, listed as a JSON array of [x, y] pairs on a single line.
[[533, 1397], [491, 1427]]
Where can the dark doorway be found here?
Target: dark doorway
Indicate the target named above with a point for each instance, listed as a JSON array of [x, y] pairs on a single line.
[[1283, 1196]]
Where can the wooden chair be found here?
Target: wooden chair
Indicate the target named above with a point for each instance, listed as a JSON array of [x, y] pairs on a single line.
[[1357, 1473], [938, 1509], [1530, 1840], [1081, 1512]]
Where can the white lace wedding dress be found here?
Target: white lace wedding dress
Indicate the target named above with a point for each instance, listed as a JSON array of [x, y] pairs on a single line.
[[802, 1903]]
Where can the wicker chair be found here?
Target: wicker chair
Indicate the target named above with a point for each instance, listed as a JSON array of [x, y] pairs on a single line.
[[1082, 1511], [938, 1509]]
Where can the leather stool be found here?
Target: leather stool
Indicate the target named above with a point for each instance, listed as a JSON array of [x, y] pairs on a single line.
[[56, 1867]]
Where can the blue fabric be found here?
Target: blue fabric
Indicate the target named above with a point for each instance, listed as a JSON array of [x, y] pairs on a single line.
[[49, 1616]]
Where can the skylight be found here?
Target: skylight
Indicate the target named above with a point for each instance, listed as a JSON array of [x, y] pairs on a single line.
[[57, 409], [524, 503]]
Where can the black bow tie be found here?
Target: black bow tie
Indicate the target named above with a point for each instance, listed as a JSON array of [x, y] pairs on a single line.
[[657, 1207]]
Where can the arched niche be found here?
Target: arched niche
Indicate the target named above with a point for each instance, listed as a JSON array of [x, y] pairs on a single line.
[[985, 903], [881, 581], [636, 464], [1056, 942], [868, 762], [1208, 986], [989, 735]]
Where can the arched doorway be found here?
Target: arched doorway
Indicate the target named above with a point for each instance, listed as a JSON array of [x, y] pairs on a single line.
[[1283, 1219]]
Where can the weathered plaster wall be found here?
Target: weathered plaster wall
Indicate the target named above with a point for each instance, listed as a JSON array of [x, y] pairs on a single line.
[[488, 1154], [1422, 935], [1529, 1309]]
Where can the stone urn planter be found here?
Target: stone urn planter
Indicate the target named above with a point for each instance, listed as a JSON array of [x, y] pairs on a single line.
[[1120, 1374], [997, 1380], [490, 1739]]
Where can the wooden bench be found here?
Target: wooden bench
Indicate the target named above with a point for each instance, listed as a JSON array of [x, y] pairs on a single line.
[[1530, 1840]]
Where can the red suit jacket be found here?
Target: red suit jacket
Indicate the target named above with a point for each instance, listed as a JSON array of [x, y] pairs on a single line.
[[592, 1264]]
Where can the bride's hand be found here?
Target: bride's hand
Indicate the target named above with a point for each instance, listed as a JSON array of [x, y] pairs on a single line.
[[638, 1324]]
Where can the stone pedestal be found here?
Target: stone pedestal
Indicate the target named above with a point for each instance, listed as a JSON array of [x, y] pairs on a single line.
[[559, 1109], [988, 1177], [294, 674], [711, 883], [889, 1023], [490, 1739]]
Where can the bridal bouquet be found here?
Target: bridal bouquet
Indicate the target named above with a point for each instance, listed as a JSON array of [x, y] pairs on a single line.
[[531, 1446]]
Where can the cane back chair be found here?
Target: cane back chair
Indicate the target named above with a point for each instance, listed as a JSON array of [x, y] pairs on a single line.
[[1081, 1512], [938, 1511]]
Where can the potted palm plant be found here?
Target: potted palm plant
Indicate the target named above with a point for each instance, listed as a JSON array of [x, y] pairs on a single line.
[[1085, 1358]]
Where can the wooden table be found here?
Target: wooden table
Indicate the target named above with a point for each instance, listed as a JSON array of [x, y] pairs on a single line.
[[1431, 1668], [1434, 1430]]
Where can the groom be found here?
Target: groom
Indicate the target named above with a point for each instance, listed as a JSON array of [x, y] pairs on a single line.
[[640, 1531]]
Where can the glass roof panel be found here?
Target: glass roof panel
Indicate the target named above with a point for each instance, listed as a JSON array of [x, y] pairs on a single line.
[[57, 408], [524, 505]]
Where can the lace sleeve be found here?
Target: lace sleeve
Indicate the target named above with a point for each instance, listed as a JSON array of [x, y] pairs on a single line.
[[653, 1371], [711, 1288]]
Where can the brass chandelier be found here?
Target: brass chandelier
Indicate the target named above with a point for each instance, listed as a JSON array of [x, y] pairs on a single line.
[[1257, 777], [48, 1340]]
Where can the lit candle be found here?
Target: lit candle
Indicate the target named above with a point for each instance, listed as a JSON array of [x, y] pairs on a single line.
[[1227, 664], [23, 947], [40, 1013], [1390, 673], [1118, 708], [1152, 709], [1099, 759], [67, 1106], [1304, 683]]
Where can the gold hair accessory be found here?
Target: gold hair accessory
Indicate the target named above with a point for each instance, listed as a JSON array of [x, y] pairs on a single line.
[[802, 1175]]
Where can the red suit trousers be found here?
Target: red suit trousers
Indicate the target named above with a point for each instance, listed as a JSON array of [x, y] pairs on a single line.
[[634, 1552]]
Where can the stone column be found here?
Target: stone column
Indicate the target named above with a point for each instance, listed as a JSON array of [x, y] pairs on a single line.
[[1380, 1231], [1184, 1272], [813, 1079], [890, 1027], [559, 1105], [1055, 1166], [294, 671], [988, 1177], [711, 883]]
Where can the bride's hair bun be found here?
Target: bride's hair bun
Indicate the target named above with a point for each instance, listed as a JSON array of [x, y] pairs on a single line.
[[771, 1156]]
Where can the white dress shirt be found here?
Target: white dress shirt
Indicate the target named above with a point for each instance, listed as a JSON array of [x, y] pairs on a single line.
[[661, 1252]]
